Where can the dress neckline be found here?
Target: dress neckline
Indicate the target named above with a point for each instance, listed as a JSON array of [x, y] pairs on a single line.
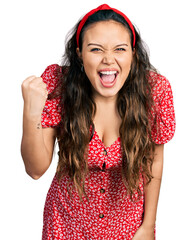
[[99, 139]]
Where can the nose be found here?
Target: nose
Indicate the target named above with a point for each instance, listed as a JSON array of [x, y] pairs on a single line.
[[108, 58]]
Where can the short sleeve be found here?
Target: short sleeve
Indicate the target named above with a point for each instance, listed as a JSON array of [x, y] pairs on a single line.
[[163, 111], [51, 115]]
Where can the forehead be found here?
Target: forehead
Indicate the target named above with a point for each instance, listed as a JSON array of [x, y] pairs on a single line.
[[106, 32]]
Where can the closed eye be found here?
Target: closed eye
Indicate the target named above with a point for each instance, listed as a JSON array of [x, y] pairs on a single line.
[[95, 49], [120, 49]]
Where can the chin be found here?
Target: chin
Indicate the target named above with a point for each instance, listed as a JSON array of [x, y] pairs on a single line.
[[109, 94]]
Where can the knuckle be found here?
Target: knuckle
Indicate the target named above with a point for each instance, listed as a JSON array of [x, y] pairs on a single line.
[[28, 80], [25, 83]]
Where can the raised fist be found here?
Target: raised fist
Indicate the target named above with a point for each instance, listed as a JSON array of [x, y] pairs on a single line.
[[35, 94]]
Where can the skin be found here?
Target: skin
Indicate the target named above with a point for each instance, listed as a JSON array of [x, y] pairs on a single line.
[[111, 49], [106, 49], [146, 230], [37, 143], [103, 49]]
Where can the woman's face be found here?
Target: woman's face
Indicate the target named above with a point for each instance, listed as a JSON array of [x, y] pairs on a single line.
[[106, 55]]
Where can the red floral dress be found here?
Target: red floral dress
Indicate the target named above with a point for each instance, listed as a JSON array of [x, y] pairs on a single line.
[[110, 214]]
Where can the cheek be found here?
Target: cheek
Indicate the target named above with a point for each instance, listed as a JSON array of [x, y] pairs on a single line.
[[126, 66], [90, 66], [91, 61], [124, 61]]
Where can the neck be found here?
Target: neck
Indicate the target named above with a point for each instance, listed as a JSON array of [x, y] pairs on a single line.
[[105, 101], [106, 106], [99, 99]]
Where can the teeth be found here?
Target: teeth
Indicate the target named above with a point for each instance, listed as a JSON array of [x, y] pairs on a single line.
[[108, 72]]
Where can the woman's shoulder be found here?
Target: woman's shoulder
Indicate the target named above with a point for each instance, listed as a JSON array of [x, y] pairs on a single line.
[[160, 86], [51, 76], [51, 114], [158, 82], [163, 111]]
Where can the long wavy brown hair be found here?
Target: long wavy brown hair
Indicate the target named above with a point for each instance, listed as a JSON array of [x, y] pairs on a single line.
[[134, 103]]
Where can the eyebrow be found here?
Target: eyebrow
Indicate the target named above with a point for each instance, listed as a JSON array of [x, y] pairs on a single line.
[[96, 44]]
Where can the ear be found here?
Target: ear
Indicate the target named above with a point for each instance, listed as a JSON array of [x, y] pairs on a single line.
[[133, 51], [79, 53]]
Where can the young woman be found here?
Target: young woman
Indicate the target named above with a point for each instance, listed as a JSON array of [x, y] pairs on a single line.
[[111, 113]]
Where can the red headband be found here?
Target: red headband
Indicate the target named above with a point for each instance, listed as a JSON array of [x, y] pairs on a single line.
[[103, 7]]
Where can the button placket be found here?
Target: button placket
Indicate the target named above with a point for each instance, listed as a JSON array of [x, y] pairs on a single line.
[[104, 152], [105, 157], [103, 186], [102, 190], [102, 205]]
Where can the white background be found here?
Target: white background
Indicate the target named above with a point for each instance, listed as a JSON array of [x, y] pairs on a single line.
[[32, 37]]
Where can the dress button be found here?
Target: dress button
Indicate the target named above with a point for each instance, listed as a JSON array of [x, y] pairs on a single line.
[[103, 167], [101, 215], [104, 152], [102, 190]]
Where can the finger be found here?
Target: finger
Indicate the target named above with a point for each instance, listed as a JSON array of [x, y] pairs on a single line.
[[30, 78]]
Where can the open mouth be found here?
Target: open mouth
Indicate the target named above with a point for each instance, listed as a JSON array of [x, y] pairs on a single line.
[[108, 77]]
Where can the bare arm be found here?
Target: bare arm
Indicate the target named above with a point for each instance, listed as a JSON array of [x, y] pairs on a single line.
[[37, 146], [37, 143], [152, 190], [146, 231]]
